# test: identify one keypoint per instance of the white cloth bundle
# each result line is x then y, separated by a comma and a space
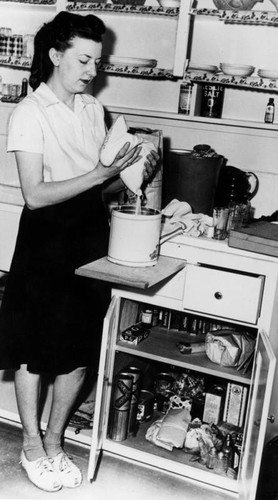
117, 136
179, 219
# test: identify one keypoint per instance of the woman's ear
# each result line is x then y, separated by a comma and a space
54, 56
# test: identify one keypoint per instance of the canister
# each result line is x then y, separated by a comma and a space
136, 375
121, 406
145, 406
134, 238
212, 100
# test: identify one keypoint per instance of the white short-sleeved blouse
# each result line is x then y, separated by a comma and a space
69, 141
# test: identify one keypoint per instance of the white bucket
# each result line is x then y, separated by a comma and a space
134, 238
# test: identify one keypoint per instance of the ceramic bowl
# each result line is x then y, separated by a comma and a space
169, 4
268, 73
235, 4
237, 69
129, 2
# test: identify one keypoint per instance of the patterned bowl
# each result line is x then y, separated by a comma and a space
235, 4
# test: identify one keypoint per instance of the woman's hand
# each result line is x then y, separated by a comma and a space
123, 159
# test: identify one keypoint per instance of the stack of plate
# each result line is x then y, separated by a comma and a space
202, 67
268, 73
236, 69
129, 61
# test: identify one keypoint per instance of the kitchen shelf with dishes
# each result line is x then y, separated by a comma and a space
136, 71
245, 82
122, 8
251, 17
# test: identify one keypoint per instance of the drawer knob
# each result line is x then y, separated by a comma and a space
271, 419
218, 295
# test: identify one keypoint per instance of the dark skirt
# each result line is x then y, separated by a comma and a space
51, 319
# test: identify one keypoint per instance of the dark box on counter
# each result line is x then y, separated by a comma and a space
259, 237
135, 333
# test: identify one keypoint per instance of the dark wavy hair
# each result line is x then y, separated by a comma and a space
58, 34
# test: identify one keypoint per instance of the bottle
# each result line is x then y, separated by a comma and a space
228, 452
220, 464
211, 458
24, 87
270, 111
147, 317
185, 98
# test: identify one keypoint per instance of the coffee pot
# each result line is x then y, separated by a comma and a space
235, 186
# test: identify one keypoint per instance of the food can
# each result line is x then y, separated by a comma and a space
163, 400
145, 406
136, 375
147, 317
163, 382
212, 101
121, 406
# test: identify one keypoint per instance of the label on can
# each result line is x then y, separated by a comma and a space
212, 101
145, 406
122, 394
121, 407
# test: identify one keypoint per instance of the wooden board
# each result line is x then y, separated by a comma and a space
260, 237
136, 277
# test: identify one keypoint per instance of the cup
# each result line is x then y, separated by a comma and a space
220, 222
235, 217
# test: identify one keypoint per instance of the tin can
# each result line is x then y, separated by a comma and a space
163, 382
163, 400
136, 374
121, 407
185, 98
212, 101
147, 317
145, 406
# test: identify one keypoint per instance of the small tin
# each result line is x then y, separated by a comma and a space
147, 317
145, 406
121, 406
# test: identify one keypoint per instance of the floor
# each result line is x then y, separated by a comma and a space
116, 479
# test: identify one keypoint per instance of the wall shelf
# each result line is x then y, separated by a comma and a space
252, 17
123, 9
37, 2
136, 71
247, 82
15, 62
21, 63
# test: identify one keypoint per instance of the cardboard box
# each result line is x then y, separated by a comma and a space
235, 404
135, 334
259, 237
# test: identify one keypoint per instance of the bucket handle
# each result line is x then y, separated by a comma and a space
171, 234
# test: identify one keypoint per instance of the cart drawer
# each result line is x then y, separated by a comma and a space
222, 293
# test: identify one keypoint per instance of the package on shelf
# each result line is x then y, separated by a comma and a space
135, 334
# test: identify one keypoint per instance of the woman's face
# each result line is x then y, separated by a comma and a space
77, 66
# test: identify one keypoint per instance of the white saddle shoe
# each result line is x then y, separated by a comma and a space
68, 473
41, 473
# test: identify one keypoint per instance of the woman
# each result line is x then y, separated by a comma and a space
51, 320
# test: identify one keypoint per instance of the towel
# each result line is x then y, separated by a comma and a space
179, 219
